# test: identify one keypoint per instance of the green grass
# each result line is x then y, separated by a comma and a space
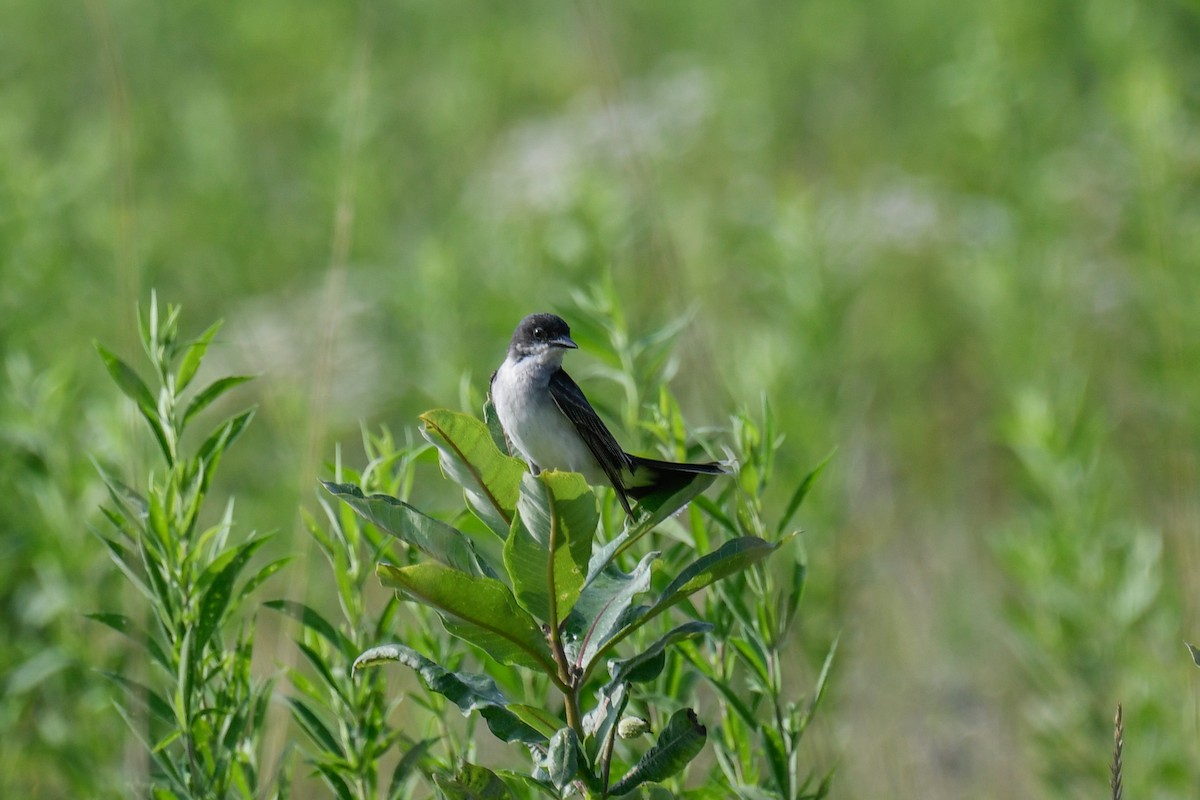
955, 241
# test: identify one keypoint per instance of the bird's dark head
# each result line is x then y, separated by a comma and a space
540, 335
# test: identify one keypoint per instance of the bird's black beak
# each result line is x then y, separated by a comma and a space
565, 342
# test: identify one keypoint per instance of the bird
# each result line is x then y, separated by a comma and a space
550, 422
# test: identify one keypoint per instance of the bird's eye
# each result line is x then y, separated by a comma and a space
539, 333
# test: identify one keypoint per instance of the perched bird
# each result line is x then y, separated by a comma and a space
547, 418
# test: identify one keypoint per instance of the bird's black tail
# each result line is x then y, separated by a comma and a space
649, 476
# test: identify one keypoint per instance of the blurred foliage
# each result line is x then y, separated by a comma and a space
899, 221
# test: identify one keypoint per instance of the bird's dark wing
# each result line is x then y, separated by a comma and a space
570, 400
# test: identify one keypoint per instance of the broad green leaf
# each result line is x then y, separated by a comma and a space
193, 357
612, 701
732, 557
435, 538
480, 610
561, 763
800, 493
472, 782
494, 428
680, 741
598, 614
467, 690
469, 457
646, 665
205, 397
547, 550
654, 508
220, 577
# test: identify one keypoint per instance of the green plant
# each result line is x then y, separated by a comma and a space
198, 709
548, 588
346, 717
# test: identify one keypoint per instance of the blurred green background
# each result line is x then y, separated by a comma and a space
959, 242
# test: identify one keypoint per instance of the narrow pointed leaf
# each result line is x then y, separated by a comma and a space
546, 553
819, 691
205, 397
193, 357
316, 623
469, 457
433, 537
777, 759
480, 610
801, 492
469, 691
143, 696
317, 730
221, 576
133, 388
1195, 653
680, 741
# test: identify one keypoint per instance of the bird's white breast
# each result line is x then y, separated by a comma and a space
534, 423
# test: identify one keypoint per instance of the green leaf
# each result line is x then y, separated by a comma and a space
479, 610
598, 614
732, 557
315, 728
1195, 652
598, 722
547, 550
220, 577
469, 691
409, 764
205, 397
653, 509
819, 692
211, 450
433, 537
537, 718
646, 665
144, 697
561, 762
800, 493
193, 357
680, 741
133, 388
469, 457
316, 623
472, 782
777, 759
